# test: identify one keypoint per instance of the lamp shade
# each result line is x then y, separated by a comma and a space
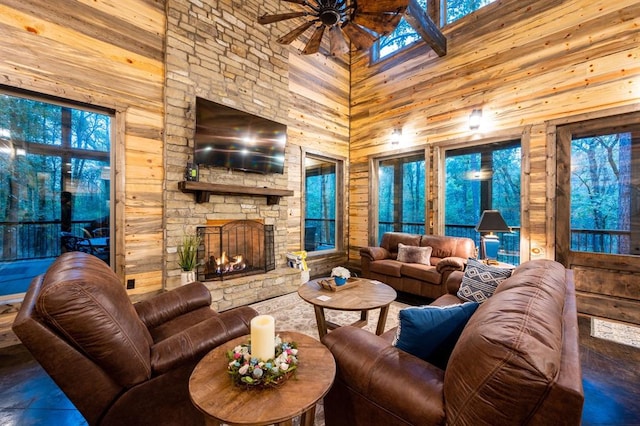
492, 221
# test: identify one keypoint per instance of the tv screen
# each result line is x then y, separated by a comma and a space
227, 137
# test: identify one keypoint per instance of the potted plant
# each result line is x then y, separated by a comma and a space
188, 257
340, 275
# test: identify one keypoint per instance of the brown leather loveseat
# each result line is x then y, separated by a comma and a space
426, 279
515, 363
119, 363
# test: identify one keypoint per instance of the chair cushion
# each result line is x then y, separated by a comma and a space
431, 332
480, 281
84, 301
412, 254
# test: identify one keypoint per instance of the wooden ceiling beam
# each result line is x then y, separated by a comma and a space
422, 23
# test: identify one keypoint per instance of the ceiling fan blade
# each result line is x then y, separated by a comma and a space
381, 23
303, 2
378, 6
295, 33
313, 45
338, 44
361, 38
269, 19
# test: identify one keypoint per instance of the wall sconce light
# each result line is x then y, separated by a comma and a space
396, 136
475, 119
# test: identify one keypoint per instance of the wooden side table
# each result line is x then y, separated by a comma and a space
364, 297
213, 392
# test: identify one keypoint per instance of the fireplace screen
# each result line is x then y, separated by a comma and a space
238, 248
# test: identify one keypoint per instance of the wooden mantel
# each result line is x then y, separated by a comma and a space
204, 189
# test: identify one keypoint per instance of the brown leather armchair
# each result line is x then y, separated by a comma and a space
121, 363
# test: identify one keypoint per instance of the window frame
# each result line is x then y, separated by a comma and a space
374, 186
565, 134
339, 202
115, 172
486, 151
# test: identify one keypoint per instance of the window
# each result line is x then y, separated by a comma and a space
404, 35
401, 195
456, 9
323, 212
483, 178
55, 186
604, 181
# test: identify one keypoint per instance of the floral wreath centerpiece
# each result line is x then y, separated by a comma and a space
251, 372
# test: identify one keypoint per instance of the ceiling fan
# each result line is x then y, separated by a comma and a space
361, 21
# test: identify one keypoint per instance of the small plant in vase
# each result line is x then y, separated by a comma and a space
340, 275
188, 257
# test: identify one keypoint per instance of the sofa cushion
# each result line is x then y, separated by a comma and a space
445, 246
388, 267
480, 281
421, 272
431, 332
390, 240
412, 254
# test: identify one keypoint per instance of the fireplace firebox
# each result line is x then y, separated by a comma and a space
235, 249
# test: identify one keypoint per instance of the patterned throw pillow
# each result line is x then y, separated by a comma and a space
413, 254
480, 281
431, 332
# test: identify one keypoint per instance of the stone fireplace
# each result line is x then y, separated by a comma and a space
234, 249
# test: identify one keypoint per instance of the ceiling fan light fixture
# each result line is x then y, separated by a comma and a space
329, 16
361, 22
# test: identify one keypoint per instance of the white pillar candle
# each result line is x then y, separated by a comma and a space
263, 337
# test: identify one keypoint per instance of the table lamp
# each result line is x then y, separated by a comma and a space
491, 221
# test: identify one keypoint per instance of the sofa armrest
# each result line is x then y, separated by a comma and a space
167, 306
453, 282
375, 253
196, 341
380, 373
451, 264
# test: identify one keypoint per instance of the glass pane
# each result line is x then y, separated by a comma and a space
320, 205
505, 197
462, 194
482, 178
55, 192
90, 131
604, 198
456, 9
26, 120
402, 36
401, 195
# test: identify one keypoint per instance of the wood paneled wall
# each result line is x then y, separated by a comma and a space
319, 123
109, 54
524, 63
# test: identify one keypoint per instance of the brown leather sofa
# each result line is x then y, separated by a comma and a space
516, 362
448, 254
119, 363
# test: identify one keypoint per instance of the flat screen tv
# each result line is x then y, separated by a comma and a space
227, 137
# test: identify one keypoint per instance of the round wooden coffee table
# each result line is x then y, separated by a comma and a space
367, 295
213, 392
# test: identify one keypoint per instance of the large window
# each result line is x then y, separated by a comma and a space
604, 195
404, 35
54, 187
483, 178
401, 195
322, 224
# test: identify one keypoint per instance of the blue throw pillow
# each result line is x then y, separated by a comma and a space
431, 332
